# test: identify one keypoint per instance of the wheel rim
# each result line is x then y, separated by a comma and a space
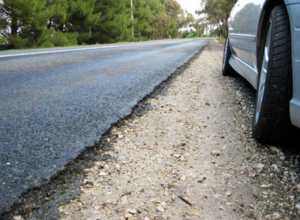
263, 76
225, 54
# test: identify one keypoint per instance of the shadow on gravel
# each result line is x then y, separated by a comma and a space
290, 145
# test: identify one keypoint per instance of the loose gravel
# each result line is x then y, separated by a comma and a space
186, 152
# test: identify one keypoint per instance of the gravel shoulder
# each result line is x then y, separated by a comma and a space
186, 152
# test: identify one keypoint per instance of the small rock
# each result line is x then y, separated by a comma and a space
163, 204
166, 217
276, 215
132, 211
282, 158
124, 200
157, 200
260, 167
274, 149
275, 167
160, 209
228, 194
118, 168
177, 155
216, 153
183, 178
102, 174
195, 213
298, 206
265, 186
173, 197
17, 218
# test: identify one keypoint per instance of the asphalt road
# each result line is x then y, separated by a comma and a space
56, 102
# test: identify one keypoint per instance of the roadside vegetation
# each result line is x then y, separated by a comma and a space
51, 23
213, 20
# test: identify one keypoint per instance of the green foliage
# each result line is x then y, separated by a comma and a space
52, 38
48, 23
217, 12
60, 39
192, 36
47, 45
2, 41
199, 27
58, 18
184, 34
16, 42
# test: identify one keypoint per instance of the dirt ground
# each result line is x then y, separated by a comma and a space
185, 153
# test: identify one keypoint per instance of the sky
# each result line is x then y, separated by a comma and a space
190, 5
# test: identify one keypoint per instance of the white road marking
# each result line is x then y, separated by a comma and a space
84, 49
60, 51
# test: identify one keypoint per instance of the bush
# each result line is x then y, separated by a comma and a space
2, 41
60, 39
73, 39
83, 37
51, 38
46, 45
16, 42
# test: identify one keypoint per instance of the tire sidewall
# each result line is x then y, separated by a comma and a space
257, 125
226, 68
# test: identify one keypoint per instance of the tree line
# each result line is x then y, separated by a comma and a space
215, 14
213, 19
49, 23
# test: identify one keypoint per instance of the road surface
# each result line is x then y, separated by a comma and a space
56, 102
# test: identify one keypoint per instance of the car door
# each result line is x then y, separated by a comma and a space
243, 24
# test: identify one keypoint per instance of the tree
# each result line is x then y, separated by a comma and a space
47, 23
114, 24
185, 19
174, 11
143, 15
23, 21
81, 19
60, 14
199, 26
217, 12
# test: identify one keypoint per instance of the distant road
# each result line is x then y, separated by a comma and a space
56, 102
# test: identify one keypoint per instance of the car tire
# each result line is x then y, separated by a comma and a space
227, 70
271, 121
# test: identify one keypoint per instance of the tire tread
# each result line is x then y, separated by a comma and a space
274, 121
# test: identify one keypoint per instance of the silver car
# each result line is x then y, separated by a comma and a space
263, 46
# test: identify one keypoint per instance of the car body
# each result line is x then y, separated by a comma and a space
252, 43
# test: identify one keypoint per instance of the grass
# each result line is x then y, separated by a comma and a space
192, 36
